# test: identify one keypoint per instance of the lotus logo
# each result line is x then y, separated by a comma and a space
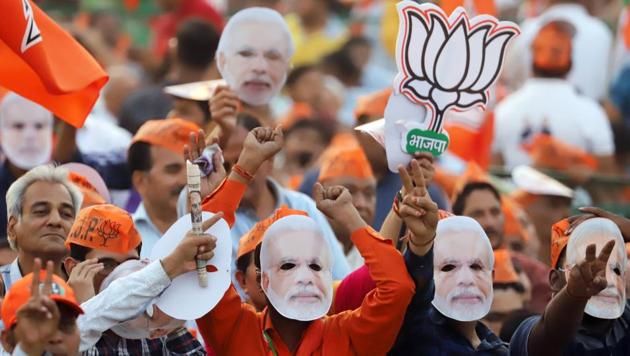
448, 62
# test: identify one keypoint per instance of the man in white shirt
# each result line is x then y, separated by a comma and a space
591, 50
549, 104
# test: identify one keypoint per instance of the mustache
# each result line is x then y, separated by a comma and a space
465, 293
304, 291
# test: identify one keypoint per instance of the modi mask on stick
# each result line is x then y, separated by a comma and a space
610, 302
463, 262
254, 53
25, 132
296, 266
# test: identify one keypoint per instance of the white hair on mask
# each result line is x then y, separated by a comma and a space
464, 225
296, 224
588, 229
12, 103
259, 15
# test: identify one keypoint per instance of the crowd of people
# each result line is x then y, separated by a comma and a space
504, 244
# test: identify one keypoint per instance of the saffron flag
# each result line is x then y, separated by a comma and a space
43, 63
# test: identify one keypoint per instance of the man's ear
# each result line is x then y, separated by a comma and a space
240, 278
264, 281
556, 280
138, 181
69, 263
11, 233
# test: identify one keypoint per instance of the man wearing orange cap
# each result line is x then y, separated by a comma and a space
102, 238
40, 318
509, 292
246, 273
549, 104
158, 173
350, 168
589, 314
482, 202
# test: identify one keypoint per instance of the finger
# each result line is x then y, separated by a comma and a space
192, 142
406, 210
51, 306
596, 211
585, 270
187, 153
604, 254
37, 266
93, 270
577, 221
201, 141
600, 282
208, 223
216, 162
48, 279
405, 178
590, 253
205, 256
318, 192
423, 156
418, 177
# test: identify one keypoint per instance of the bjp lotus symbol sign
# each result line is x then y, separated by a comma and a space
448, 62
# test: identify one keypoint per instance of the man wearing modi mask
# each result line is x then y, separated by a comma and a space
295, 274
26, 131
588, 314
453, 293
253, 56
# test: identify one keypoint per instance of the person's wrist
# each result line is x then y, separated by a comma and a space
351, 219
171, 266
249, 164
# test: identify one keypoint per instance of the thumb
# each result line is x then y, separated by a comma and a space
213, 220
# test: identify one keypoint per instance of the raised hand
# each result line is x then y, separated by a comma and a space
417, 210
224, 106
336, 203
192, 247
194, 151
261, 144
588, 277
38, 319
592, 212
425, 160
81, 279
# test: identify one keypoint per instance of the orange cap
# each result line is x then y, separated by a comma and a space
253, 237
504, 272
20, 293
549, 152
90, 194
104, 227
552, 46
473, 173
346, 163
559, 240
171, 133
373, 104
513, 226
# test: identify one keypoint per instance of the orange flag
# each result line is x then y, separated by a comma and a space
481, 6
42, 62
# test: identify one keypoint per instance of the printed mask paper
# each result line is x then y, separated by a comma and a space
184, 299
444, 63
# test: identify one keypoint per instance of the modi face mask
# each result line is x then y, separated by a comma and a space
610, 302
296, 267
150, 322
463, 263
25, 132
254, 53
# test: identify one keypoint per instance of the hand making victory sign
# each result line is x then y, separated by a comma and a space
417, 210
588, 277
38, 319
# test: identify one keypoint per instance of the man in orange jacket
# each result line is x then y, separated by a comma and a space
371, 329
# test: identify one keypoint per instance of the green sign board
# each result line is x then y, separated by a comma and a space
426, 141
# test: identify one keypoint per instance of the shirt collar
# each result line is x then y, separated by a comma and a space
15, 272
311, 339
489, 340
